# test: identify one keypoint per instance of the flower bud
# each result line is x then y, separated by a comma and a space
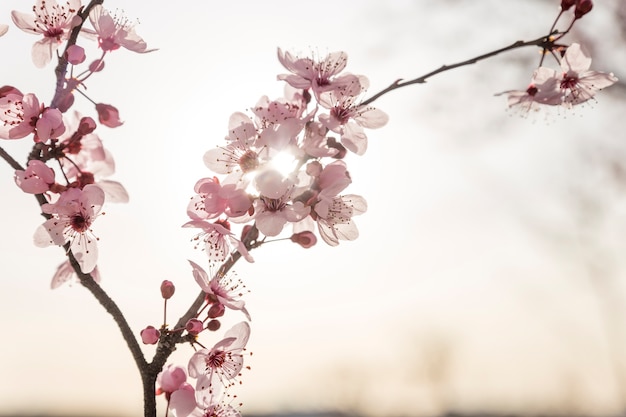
97, 65
108, 115
582, 8
75, 55
305, 239
216, 310
194, 326
167, 289
150, 335
213, 325
567, 4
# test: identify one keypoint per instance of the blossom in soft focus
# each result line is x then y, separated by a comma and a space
3, 29
108, 115
224, 361
150, 335
115, 31
52, 20
578, 82
214, 199
36, 178
172, 381
219, 241
65, 273
335, 220
223, 289
274, 208
72, 217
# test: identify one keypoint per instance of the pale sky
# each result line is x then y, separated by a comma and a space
489, 271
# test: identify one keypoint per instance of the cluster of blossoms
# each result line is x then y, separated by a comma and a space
66, 139
282, 166
573, 83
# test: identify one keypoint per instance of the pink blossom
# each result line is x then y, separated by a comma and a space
65, 273
224, 361
108, 115
183, 401
214, 199
90, 162
36, 179
172, 381
19, 114
274, 208
212, 404
150, 335
115, 31
578, 83
72, 217
52, 20
335, 219
348, 117
219, 241
320, 75
223, 289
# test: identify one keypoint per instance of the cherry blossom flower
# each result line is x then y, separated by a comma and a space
274, 208
19, 114
73, 214
320, 75
219, 241
115, 31
543, 89
211, 404
224, 361
52, 20
214, 199
335, 220
36, 179
222, 289
348, 117
578, 83
65, 273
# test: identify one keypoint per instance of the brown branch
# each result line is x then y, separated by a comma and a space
545, 42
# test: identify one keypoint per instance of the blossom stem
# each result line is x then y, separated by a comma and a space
545, 42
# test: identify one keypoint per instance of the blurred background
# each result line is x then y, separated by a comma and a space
489, 276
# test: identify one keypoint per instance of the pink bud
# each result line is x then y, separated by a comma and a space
213, 325
150, 335
314, 168
75, 55
167, 289
97, 65
36, 179
566, 4
194, 326
86, 126
304, 239
66, 101
582, 8
216, 310
108, 115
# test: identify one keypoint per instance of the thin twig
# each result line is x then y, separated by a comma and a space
545, 42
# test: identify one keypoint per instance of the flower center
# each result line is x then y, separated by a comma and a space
79, 223
215, 360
